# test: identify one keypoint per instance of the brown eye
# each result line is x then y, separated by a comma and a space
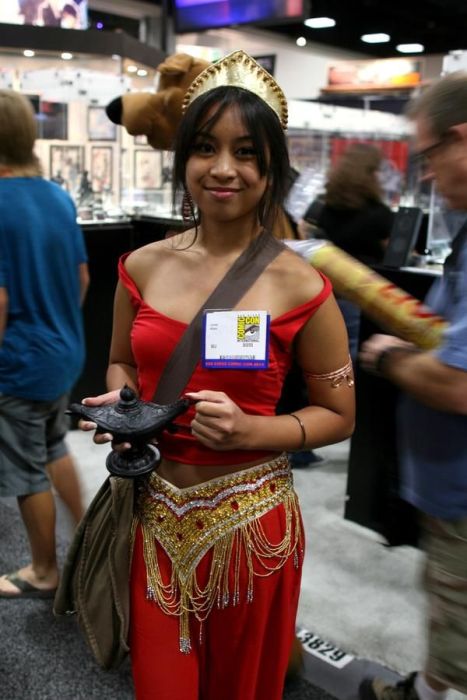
247, 152
202, 147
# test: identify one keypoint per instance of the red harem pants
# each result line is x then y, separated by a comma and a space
241, 652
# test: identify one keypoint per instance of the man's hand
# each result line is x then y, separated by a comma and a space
372, 350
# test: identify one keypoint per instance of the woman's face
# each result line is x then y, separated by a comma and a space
222, 171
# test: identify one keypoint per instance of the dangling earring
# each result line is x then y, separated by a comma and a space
187, 207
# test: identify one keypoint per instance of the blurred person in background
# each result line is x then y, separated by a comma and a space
43, 281
432, 417
352, 215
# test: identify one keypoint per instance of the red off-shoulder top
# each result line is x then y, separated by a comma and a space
153, 338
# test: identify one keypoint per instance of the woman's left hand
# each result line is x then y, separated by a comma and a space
218, 423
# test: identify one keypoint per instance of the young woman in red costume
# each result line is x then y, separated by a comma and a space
219, 545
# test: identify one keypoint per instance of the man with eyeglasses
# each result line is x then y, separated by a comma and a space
432, 415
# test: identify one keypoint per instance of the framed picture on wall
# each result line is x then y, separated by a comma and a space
101, 168
147, 170
125, 170
100, 128
67, 165
167, 167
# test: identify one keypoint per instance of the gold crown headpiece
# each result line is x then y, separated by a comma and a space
240, 70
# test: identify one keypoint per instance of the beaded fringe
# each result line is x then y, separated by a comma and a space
183, 595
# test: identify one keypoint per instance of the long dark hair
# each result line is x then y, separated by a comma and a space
266, 134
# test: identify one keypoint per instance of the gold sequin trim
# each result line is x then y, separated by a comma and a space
336, 377
223, 515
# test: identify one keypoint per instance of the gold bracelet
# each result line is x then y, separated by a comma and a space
302, 428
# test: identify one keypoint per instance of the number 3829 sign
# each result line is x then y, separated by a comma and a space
324, 650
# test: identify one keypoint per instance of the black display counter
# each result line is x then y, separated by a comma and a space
372, 486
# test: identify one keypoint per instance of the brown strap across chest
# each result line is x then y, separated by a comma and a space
239, 278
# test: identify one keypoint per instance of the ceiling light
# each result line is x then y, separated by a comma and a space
28, 53
320, 22
142, 72
132, 69
410, 48
377, 38
301, 41
67, 56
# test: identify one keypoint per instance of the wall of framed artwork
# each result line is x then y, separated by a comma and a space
78, 145
67, 162
147, 169
101, 168
100, 128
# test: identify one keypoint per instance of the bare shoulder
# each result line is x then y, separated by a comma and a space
301, 280
150, 257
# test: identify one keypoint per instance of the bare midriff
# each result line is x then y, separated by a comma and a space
185, 475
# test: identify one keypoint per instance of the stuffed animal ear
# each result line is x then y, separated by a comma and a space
157, 115
177, 64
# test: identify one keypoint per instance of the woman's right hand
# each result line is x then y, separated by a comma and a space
101, 400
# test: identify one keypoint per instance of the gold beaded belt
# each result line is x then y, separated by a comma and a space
222, 514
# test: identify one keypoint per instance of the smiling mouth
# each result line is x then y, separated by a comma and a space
222, 192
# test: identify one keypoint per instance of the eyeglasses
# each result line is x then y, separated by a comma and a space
424, 157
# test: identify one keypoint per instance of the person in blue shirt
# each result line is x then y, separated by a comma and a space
43, 281
432, 418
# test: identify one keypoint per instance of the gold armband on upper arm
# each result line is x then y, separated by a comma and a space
336, 377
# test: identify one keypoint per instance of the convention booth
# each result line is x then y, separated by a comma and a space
122, 190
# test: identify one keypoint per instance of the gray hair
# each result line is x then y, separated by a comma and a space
443, 103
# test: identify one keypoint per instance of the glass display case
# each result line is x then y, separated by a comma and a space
318, 134
111, 175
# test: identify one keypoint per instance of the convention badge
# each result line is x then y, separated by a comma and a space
235, 339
